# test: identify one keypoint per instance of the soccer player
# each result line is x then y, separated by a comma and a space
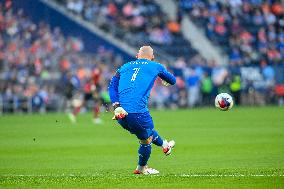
91, 91
129, 91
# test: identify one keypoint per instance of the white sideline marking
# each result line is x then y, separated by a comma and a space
181, 175
229, 175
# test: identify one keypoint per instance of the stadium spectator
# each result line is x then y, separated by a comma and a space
235, 88
193, 82
206, 89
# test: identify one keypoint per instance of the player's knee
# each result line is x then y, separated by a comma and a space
147, 141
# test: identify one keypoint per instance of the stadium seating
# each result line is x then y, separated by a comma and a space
249, 31
137, 22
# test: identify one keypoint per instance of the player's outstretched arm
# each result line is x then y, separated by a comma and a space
167, 77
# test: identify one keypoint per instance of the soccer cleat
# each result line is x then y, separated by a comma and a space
168, 149
146, 171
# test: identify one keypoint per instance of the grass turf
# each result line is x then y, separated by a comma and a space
241, 148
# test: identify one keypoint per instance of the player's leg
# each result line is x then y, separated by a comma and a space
130, 123
164, 144
76, 104
96, 110
147, 122
76, 110
144, 153
157, 139
143, 128
96, 114
74, 113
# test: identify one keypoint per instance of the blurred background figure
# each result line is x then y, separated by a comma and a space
193, 88
207, 90
235, 88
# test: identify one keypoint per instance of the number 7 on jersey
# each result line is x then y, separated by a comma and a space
136, 70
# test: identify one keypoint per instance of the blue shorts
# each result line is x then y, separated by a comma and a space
140, 124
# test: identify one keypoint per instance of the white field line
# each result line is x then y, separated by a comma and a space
230, 175
177, 175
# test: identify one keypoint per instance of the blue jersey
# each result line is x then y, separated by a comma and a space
132, 84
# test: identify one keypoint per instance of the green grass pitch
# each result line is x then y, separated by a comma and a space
241, 148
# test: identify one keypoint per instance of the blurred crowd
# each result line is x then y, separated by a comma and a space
249, 31
35, 61
137, 22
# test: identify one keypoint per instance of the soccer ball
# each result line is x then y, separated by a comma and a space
224, 101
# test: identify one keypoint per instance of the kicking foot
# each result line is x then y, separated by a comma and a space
145, 170
168, 147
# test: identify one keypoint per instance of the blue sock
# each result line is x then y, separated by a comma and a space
157, 140
144, 154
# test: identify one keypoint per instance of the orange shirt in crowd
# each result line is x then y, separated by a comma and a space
277, 9
173, 27
64, 64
